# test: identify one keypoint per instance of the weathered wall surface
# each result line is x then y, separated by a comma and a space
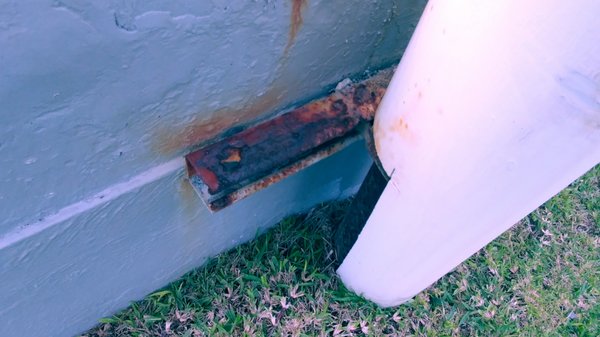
100, 98
61, 280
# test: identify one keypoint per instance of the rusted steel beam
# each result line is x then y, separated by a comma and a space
252, 159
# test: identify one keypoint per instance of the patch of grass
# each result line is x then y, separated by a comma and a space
541, 278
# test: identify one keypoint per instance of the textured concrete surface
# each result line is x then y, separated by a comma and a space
61, 280
101, 99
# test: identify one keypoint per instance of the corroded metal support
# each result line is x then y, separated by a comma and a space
252, 159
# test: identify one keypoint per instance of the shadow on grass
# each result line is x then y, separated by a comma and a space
539, 278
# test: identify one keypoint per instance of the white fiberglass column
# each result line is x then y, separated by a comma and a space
494, 108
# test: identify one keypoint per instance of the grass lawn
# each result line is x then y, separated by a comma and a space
541, 278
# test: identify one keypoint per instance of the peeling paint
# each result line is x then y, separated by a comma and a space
169, 141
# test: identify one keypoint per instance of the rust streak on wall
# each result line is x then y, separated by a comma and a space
189, 200
170, 140
296, 21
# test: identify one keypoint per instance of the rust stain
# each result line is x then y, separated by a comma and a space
253, 158
281, 174
296, 21
399, 125
188, 197
190, 208
171, 139
257, 151
233, 156
201, 129
209, 177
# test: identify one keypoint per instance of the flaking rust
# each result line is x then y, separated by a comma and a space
252, 159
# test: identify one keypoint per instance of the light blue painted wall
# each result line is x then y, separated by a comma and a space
95, 101
61, 280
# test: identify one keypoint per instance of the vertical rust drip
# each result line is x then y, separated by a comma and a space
296, 21
251, 159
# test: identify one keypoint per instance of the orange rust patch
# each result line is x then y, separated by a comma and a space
401, 128
295, 22
175, 139
251, 158
256, 152
233, 156
399, 125
188, 197
171, 139
210, 178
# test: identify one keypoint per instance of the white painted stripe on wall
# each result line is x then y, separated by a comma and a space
100, 198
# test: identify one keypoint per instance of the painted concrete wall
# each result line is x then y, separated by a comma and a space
61, 280
100, 99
